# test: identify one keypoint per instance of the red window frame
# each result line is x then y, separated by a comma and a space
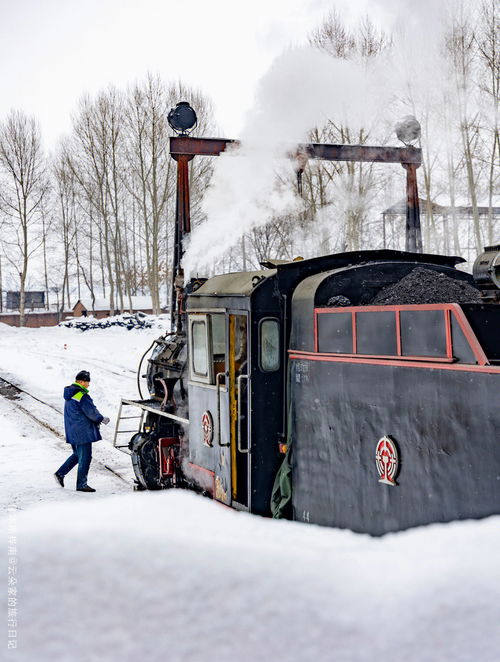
448, 310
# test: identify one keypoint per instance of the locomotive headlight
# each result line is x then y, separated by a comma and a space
182, 118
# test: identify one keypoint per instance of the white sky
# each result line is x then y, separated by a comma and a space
51, 51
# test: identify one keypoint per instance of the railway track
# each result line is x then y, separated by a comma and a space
13, 392
102, 364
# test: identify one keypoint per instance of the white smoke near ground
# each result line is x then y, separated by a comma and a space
302, 89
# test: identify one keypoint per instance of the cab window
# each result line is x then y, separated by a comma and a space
199, 345
269, 345
218, 326
207, 346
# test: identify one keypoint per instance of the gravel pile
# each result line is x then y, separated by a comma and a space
427, 286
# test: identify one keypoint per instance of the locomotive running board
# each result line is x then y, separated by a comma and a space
145, 406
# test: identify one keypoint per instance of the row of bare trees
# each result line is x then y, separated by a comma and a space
451, 84
96, 217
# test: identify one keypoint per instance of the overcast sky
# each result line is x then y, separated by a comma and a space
51, 51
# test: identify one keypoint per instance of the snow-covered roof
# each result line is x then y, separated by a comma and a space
464, 209
143, 302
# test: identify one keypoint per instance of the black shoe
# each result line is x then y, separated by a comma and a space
59, 479
87, 488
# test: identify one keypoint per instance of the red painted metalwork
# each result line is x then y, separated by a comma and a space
354, 333
387, 461
197, 467
168, 462
316, 345
388, 307
398, 332
422, 359
448, 310
463, 322
447, 325
399, 362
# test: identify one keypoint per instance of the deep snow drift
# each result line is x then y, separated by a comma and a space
121, 576
173, 576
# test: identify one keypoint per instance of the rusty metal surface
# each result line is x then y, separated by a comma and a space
413, 230
184, 148
182, 145
364, 153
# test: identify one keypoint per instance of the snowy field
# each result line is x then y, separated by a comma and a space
121, 576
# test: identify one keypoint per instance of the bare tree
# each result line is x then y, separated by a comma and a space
489, 60
461, 47
354, 182
22, 191
92, 160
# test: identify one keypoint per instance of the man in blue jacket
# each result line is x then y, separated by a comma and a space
81, 424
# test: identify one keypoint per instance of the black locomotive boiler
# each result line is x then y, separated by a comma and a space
290, 391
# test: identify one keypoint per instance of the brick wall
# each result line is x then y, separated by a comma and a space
33, 320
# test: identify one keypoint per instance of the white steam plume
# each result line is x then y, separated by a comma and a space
303, 89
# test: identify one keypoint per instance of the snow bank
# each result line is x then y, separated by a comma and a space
172, 576
44, 360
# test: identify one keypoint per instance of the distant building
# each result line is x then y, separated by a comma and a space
461, 211
32, 300
393, 220
101, 309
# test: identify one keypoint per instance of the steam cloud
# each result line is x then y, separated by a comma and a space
302, 89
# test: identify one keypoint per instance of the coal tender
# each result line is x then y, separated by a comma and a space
395, 407
358, 390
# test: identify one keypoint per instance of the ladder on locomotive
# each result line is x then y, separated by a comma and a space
124, 447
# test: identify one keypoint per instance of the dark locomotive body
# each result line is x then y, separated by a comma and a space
426, 376
297, 391
289, 396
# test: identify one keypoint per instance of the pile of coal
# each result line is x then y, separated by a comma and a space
427, 286
128, 321
339, 300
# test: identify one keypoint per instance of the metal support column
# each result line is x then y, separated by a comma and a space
413, 230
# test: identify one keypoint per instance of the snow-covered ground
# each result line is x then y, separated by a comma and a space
43, 361
120, 576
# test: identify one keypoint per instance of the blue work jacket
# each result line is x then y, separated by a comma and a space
81, 417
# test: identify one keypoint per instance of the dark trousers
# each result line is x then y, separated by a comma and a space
82, 455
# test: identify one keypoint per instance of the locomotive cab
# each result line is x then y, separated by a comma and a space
235, 385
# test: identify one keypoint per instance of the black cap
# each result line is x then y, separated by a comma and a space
83, 376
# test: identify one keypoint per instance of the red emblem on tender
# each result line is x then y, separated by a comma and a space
207, 426
386, 458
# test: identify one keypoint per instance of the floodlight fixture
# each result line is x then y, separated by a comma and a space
408, 130
182, 118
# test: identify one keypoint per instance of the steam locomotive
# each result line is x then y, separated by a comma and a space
288, 392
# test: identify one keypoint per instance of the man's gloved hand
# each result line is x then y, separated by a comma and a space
105, 420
